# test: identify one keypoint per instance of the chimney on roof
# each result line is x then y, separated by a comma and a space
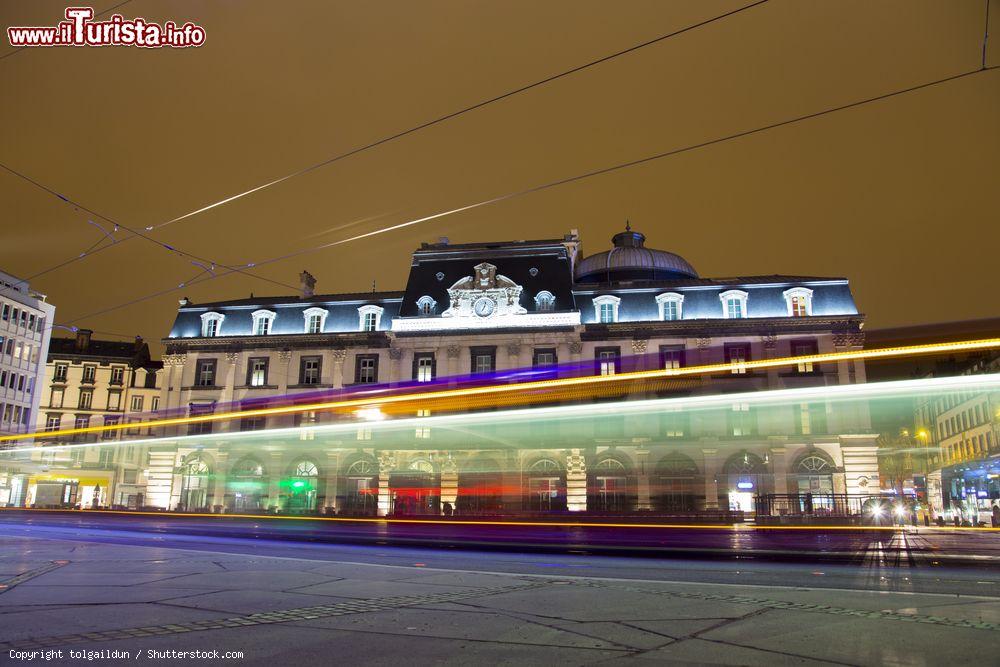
184, 301
308, 283
83, 339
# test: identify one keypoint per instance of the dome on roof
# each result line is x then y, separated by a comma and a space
629, 259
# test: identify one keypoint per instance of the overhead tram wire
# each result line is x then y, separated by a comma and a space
425, 125
568, 180
80, 207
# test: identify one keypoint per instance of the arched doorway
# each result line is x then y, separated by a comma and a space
546, 487
608, 487
416, 490
303, 487
677, 484
813, 480
247, 487
480, 488
360, 484
745, 476
195, 477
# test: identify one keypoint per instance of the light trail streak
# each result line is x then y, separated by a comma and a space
481, 522
523, 388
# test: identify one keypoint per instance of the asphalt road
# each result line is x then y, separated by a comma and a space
916, 560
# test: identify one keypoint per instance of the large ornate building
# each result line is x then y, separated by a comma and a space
479, 308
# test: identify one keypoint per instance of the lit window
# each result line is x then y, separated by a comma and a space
263, 321
211, 324
369, 317
738, 355
315, 319
802, 349
545, 301
423, 431
257, 372
799, 301
734, 304
607, 361
426, 306
606, 308
423, 368
670, 305
741, 420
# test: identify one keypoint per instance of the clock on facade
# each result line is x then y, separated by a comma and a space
484, 306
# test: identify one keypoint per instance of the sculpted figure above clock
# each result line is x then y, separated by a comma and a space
484, 294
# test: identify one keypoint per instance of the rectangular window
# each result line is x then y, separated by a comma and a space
89, 374
200, 410
60, 373
543, 357
135, 404
607, 312
734, 308
315, 324
20, 383
670, 310
263, 326
52, 422
56, 401
6, 312
674, 423
484, 359
211, 327
16, 313
110, 433
369, 322
802, 348
150, 382
608, 360
423, 367
799, 306
366, 369
205, 373
741, 420
671, 357
155, 404
737, 354
117, 376
31, 322
81, 421
114, 400
257, 372
86, 399
309, 370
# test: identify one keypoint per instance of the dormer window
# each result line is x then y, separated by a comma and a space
734, 304
211, 324
545, 301
606, 308
426, 306
315, 319
799, 301
670, 305
262, 321
370, 317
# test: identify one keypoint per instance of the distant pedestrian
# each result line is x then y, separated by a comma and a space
995, 518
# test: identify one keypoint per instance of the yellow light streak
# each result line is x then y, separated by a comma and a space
483, 522
594, 380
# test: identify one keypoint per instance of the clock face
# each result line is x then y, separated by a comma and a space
484, 306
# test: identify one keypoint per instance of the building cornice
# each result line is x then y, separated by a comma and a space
354, 339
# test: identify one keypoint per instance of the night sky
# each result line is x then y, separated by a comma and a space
900, 196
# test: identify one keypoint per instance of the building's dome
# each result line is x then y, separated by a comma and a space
631, 260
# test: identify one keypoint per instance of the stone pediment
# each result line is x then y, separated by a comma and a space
483, 295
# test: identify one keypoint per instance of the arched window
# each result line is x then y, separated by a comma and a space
607, 487
263, 321
302, 491
305, 469
426, 306
247, 487
799, 301
544, 466
677, 484
370, 317
420, 465
546, 486
211, 324
670, 305
545, 301
813, 473
734, 304
315, 319
606, 308
813, 464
